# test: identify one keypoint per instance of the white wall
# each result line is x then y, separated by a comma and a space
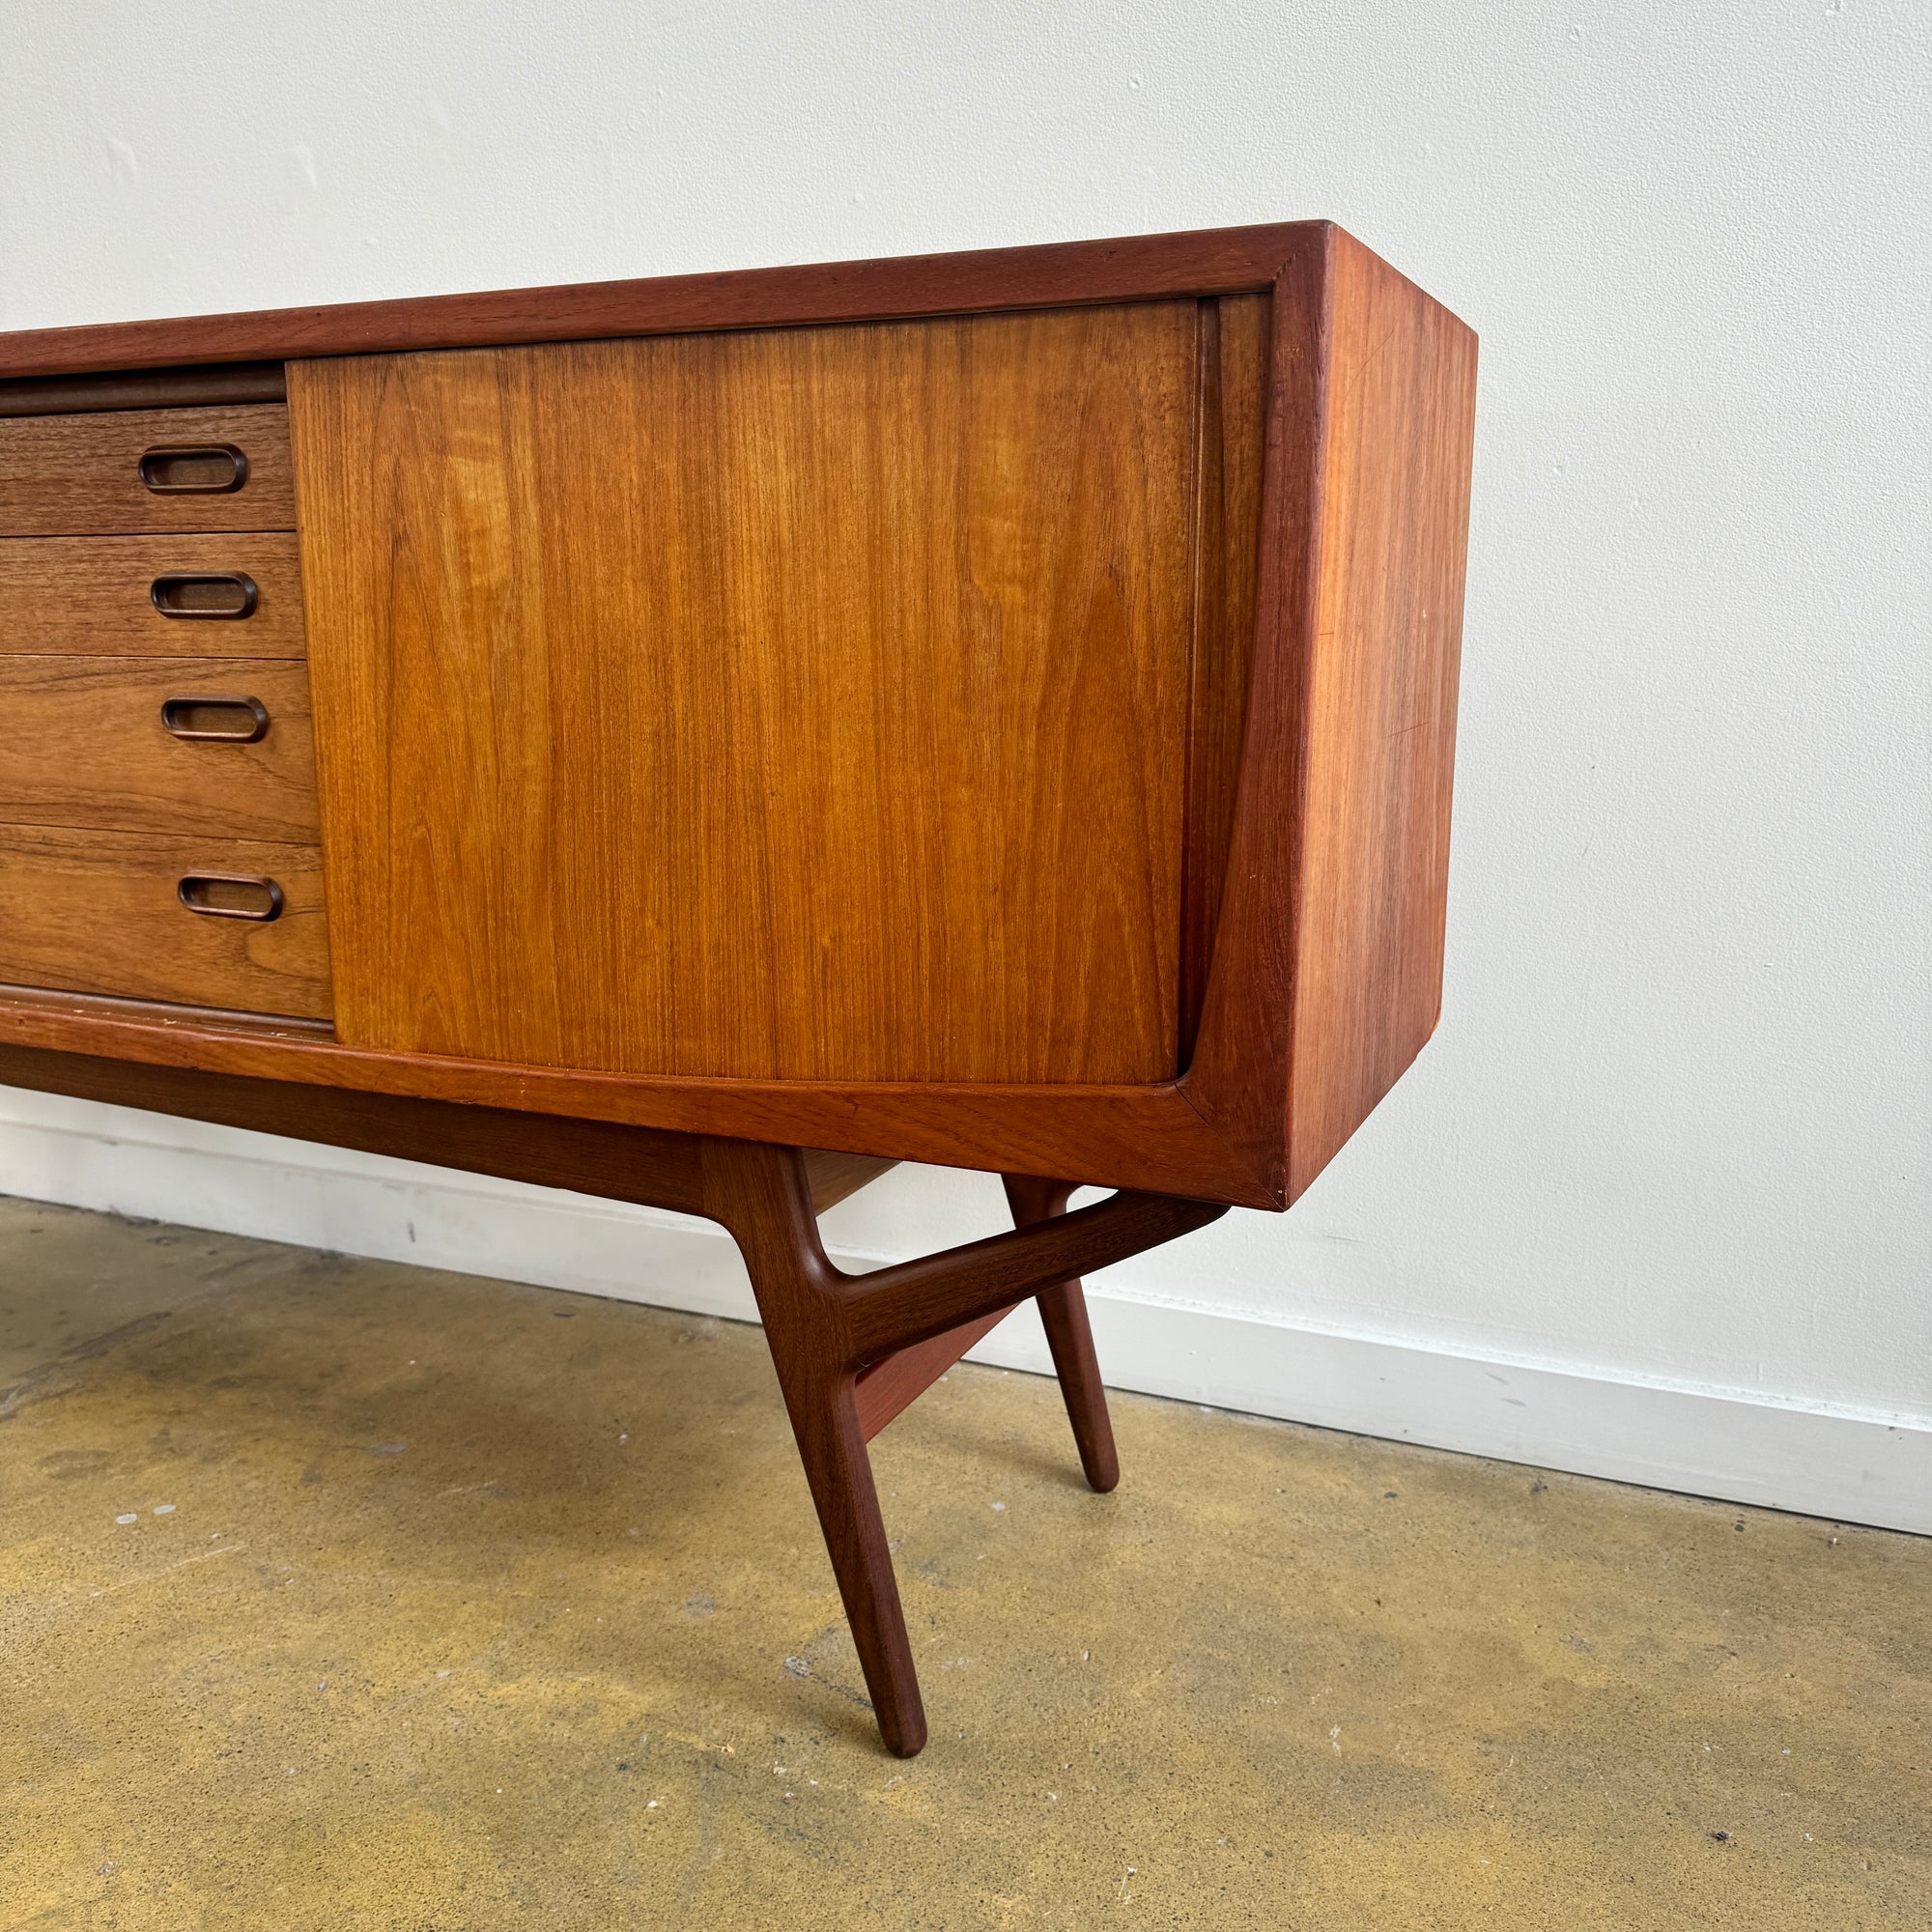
1673, 1131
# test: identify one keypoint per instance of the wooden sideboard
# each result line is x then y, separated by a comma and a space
702, 740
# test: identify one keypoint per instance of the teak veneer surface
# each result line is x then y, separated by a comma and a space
1326, 973
97, 912
63, 595
1380, 701
796, 704
80, 475
84, 746
1348, 453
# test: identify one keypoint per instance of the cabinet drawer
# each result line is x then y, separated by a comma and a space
100, 912
233, 596
134, 745
218, 468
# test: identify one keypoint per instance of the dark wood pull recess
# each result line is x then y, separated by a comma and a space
195, 469
231, 896
212, 593
216, 720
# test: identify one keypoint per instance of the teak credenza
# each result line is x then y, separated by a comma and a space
699, 741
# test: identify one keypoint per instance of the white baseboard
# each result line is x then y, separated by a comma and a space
1817, 1461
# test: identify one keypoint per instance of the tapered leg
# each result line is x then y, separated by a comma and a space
826, 1330
763, 1196
1063, 1313
833, 1449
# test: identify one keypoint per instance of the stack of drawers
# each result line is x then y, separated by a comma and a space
158, 810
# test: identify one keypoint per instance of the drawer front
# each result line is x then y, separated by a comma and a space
135, 744
100, 912
218, 597
220, 469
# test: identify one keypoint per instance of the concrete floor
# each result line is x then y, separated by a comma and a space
335, 1594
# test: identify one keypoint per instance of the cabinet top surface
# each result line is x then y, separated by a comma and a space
1213, 260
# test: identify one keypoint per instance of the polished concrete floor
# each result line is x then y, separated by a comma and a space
335, 1594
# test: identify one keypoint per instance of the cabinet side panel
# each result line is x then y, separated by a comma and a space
799, 704
1379, 739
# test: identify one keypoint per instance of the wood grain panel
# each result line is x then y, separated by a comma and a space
79, 475
804, 704
97, 912
1378, 727
61, 595
83, 745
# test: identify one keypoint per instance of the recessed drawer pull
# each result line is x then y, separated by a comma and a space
215, 593
231, 896
196, 470
238, 721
